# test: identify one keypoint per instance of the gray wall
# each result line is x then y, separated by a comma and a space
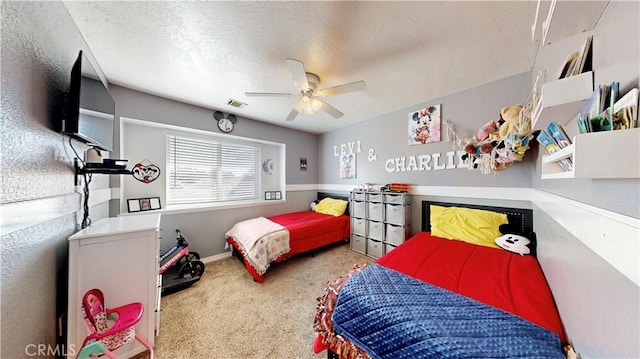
141, 106
387, 135
40, 42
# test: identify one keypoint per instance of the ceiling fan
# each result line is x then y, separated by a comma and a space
307, 83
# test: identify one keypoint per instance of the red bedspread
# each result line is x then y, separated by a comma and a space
308, 230
493, 276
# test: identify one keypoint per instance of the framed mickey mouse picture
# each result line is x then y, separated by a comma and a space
226, 122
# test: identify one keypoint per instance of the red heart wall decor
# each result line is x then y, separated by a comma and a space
145, 174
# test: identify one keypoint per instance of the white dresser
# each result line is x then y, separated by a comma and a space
380, 221
119, 256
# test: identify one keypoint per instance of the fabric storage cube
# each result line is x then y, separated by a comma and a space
397, 214
376, 210
358, 209
397, 198
396, 234
374, 248
388, 248
374, 197
374, 230
358, 243
358, 226
359, 196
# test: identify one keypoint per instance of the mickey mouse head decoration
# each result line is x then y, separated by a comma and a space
225, 122
516, 241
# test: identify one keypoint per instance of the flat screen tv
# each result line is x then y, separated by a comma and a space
90, 116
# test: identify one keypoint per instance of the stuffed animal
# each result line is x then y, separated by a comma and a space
482, 141
516, 241
511, 116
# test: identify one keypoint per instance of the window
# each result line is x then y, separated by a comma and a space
208, 171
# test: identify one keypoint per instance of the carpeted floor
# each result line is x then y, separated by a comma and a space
228, 315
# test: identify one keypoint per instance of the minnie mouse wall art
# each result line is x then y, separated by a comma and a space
348, 165
424, 125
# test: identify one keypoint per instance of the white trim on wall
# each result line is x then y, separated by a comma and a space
612, 236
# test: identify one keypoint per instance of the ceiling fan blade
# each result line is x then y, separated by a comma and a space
295, 111
299, 74
336, 90
271, 94
330, 109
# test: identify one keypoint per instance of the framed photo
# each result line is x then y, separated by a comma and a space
143, 204
272, 195
303, 163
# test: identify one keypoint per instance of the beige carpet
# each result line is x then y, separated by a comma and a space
228, 315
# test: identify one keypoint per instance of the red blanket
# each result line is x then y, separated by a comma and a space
308, 230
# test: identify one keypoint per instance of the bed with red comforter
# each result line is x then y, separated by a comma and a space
494, 277
307, 230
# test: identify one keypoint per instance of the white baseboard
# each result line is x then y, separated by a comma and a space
215, 257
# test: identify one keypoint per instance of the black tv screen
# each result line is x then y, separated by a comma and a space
91, 114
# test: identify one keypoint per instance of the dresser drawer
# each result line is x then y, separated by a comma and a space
359, 209
359, 196
396, 234
397, 198
376, 209
374, 248
397, 214
375, 230
374, 197
358, 243
358, 226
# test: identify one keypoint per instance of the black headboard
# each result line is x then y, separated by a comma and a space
523, 218
345, 197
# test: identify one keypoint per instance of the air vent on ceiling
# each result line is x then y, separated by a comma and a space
236, 103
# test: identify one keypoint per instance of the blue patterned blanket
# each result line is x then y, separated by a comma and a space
391, 315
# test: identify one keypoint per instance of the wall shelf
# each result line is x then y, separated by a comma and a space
607, 154
577, 17
562, 99
100, 170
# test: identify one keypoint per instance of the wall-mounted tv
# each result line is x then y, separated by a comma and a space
90, 115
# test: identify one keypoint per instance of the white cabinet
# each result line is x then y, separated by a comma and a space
607, 154
380, 221
119, 256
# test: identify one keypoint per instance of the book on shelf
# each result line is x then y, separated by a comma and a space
578, 61
546, 140
557, 133
606, 111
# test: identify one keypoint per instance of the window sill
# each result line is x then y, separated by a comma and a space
191, 208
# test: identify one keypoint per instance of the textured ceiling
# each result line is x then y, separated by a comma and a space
205, 53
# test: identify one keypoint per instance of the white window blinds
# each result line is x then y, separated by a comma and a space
201, 171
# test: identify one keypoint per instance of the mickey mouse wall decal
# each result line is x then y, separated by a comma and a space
145, 172
225, 121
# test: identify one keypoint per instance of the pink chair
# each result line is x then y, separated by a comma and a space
109, 329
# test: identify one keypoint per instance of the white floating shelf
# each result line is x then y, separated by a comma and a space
607, 154
556, 20
561, 100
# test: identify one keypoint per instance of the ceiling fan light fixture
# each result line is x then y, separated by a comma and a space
309, 104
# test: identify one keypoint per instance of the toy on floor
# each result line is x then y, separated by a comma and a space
179, 267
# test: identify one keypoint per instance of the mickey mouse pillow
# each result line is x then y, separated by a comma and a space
516, 241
